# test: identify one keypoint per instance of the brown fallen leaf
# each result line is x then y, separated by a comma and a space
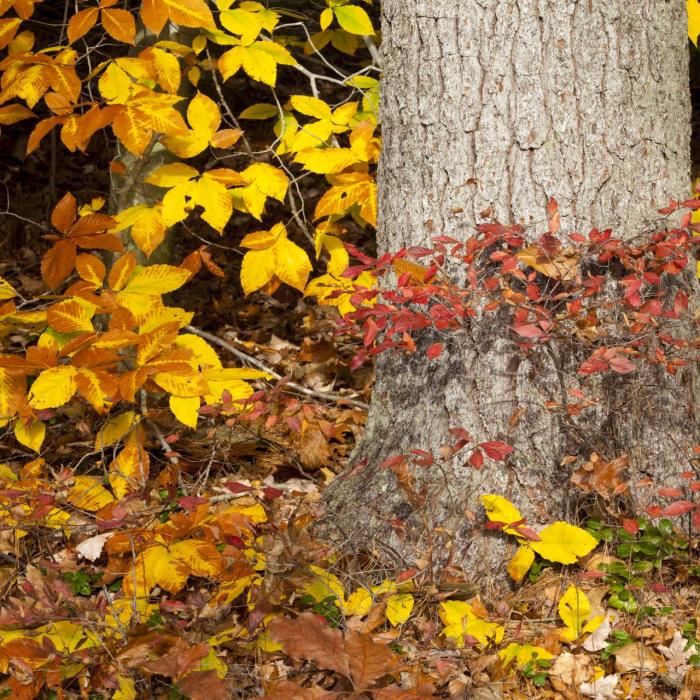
369, 660
287, 690
356, 656
308, 638
204, 685
636, 657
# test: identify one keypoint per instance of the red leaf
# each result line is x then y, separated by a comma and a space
526, 532
678, 508
631, 526
435, 350
423, 458
236, 487
593, 574
477, 459
392, 461
191, 502
621, 365
496, 449
272, 493
406, 575
654, 511
668, 492
527, 330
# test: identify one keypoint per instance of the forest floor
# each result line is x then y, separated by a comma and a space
244, 601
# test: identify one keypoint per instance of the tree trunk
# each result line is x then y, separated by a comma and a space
490, 107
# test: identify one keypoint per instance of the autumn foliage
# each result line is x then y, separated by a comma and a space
132, 562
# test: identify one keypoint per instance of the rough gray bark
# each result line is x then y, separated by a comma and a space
489, 107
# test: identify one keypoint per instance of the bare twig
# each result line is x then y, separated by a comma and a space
244, 357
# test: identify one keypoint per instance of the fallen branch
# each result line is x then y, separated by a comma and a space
244, 357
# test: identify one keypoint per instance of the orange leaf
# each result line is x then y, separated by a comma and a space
120, 25
81, 23
64, 213
154, 15
58, 263
70, 316
90, 268
121, 271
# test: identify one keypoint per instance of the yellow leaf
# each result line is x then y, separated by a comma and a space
460, 620
53, 387
522, 654
399, 608
261, 240
129, 471
326, 288
185, 409
31, 435
311, 107
501, 510
324, 585
126, 689
147, 228
167, 68
115, 85
7, 291
204, 354
260, 110
177, 203
190, 13
203, 114
246, 24
230, 379
326, 160
358, 603
115, 429
520, 564
8, 29
182, 383
202, 558
257, 269
156, 279
119, 24
171, 174
326, 18
354, 19
259, 60
261, 181
215, 199
693, 7
339, 260
293, 265
89, 494
574, 609
563, 543
155, 566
